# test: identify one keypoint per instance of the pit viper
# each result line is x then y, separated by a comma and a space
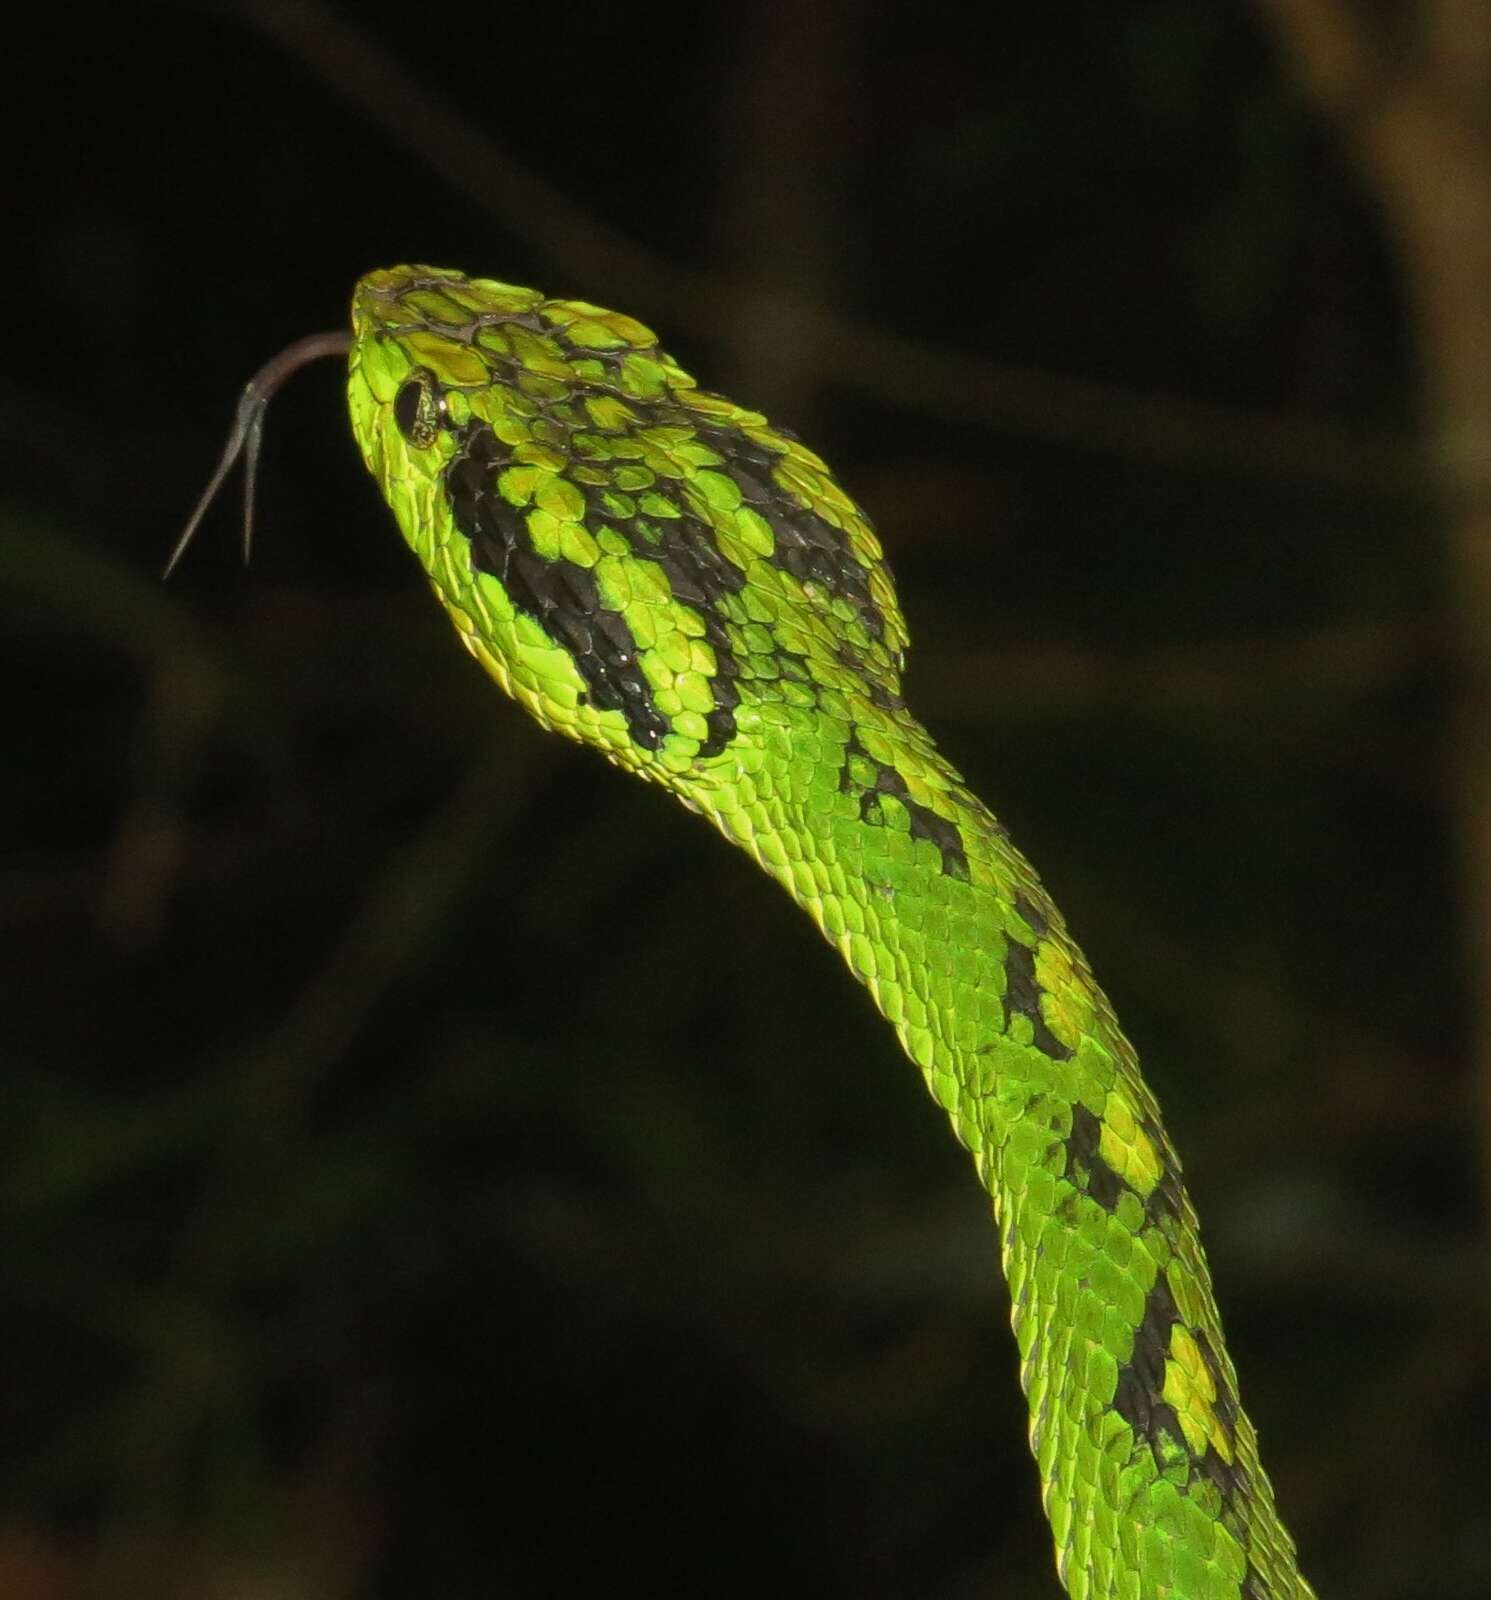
655, 571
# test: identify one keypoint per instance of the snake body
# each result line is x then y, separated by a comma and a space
655, 571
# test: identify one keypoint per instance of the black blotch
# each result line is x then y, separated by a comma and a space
721, 720
1230, 1480
1141, 1383
1036, 919
1084, 1160
885, 698
1167, 1199
612, 626
1141, 1380
922, 822
468, 476
755, 486
1022, 995
1225, 1405
852, 748
1152, 1419
926, 824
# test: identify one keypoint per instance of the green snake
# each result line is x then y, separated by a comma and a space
656, 571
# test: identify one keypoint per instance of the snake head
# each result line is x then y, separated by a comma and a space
645, 566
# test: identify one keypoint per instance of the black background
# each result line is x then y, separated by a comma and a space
434, 1166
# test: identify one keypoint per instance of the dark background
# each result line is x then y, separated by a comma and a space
432, 1164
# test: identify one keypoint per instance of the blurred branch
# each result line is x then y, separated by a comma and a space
392, 931
1332, 47
70, 589
1421, 134
900, 371
784, 217
1297, 673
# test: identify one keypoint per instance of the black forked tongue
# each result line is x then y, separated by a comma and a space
248, 429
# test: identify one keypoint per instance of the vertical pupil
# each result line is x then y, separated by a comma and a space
406, 409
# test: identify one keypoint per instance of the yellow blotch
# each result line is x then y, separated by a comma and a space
484, 295
517, 484
1127, 1149
754, 532
695, 693
1191, 1391
691, 724
586, 323
606, 411
717, 405
455, 363
434, 307
576, 544
538, 352
539, 455
1065, 1005
495, 340
559, 497
543, 530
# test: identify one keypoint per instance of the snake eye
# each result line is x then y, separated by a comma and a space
419, 410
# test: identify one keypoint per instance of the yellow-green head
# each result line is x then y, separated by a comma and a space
646, 566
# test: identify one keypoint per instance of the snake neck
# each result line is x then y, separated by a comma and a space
1148, 1463
658, 572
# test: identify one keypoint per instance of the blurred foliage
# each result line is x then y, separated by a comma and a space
434, 1166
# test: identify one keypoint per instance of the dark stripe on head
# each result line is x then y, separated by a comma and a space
563, 598
683, 544
560, 595
699, 575
809, 548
